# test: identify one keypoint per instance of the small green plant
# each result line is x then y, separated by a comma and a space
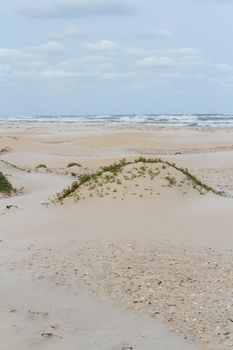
171, 180
5, 185
70, 165
41, 166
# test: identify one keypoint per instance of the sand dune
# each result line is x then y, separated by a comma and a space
140, 258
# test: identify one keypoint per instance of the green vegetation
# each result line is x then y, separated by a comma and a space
40, 166
116, 167
171, 180
194, 180
70, 165
5, 185
111, 171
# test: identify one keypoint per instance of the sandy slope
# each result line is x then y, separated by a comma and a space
53, 256
39, 315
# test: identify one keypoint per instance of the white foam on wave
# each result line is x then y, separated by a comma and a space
147, 119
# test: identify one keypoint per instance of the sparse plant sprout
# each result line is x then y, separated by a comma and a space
153, 174
171, 180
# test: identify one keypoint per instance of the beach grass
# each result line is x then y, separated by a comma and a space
5, 186
41, 166
112, 170
72, 164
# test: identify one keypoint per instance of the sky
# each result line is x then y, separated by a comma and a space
116, 56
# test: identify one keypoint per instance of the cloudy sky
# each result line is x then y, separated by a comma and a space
116, 56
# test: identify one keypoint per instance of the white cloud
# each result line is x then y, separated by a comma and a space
98, 63
51, 47
104, 45
21, 59
7, 55
109, 63
224, 67
155, 62
118, 75
226, 82
184, 51
64, 74
184, 58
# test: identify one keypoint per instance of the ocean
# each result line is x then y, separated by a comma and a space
201, 120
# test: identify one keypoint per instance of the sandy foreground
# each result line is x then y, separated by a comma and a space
137, 264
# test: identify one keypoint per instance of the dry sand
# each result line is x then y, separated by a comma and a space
131, 265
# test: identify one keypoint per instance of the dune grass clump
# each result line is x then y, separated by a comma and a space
70, 165
108, 174
193, 179
41, 166
116, 167
5, 185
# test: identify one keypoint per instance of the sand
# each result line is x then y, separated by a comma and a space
147, 266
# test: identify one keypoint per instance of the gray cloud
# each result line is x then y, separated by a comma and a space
52, 9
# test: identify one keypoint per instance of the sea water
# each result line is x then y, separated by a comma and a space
201, 120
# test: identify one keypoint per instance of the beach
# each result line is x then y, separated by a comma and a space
137, 257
